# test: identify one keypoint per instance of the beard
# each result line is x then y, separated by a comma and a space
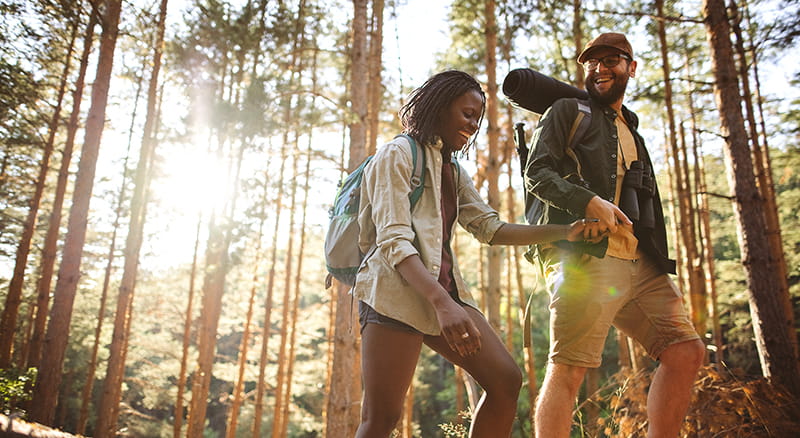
610, 96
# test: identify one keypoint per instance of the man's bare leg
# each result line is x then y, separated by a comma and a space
671, 389
556, 400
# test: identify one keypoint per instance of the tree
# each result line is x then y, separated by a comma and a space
14, 297
343, 409
771, 325
108, 409
46, 390
54, 224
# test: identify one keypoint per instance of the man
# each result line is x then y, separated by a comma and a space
618, 276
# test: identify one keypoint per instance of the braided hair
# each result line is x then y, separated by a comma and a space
426, 105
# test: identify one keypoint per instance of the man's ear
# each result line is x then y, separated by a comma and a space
632, 69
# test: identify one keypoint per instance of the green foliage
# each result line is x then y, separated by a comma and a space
16, 386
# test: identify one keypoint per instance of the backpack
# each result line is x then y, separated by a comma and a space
534, 207
342, 255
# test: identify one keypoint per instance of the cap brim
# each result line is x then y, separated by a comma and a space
586, 52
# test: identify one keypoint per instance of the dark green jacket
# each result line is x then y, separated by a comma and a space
551, 175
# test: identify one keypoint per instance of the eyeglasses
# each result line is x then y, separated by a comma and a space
609, 61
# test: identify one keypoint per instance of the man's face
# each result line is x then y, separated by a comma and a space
607, 84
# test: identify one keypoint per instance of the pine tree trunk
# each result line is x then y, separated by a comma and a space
233, 411
112, 390
267, 322
187, 331
577, 36
763, 169
50, 249
280, 381
772, 327
492, 171
343, 411
45, 393
90, 373
8, 320
297, 280
686, 214
375, 90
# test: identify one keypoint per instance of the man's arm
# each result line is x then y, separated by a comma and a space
548, 166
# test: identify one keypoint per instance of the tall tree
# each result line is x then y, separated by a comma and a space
771, 324
50, 248
45, 392
687, 227
186, 339
8, 320
108, 408
343, 410
761, 159
492, 170
111, 255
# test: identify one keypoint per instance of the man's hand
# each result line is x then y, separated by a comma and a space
608, 216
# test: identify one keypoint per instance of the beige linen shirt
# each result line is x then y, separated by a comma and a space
391, 232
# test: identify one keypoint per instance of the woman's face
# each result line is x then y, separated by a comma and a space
459, 122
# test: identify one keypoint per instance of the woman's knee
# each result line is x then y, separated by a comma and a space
506, 380
379, 420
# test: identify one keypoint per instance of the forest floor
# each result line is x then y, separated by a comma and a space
725, 404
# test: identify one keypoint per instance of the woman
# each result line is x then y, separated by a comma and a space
409, 287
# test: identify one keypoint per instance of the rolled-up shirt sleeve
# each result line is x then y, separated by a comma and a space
474, 214
386, 186
542, 177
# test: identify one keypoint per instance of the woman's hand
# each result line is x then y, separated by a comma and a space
575, 230
458, 329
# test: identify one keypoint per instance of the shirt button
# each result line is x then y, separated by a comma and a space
614, 176
613, 155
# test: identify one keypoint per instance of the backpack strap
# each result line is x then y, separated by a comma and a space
418, 176
579, 127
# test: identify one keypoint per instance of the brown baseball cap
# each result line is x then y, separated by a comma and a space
609, 39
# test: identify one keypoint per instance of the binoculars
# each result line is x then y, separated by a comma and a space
636, 196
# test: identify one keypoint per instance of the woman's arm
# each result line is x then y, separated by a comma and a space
453, 319
521, 234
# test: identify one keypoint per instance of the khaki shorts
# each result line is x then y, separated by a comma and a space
589, 295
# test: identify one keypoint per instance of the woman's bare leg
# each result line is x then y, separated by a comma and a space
388, 360
497, 373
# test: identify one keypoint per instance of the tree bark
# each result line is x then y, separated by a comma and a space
763, 168
45, 394
343, 411
86, 394
375, 90
187, 330
50, 249
492, 171
686, 215
108, 409
771, 325
8, 320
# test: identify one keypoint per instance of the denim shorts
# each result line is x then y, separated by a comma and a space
589, 295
